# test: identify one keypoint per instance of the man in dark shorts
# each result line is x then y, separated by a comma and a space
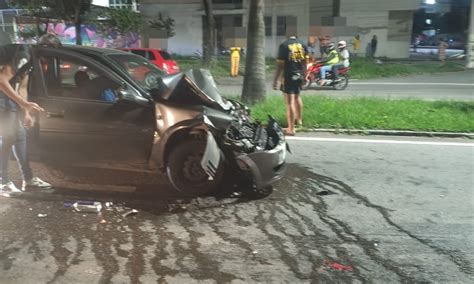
291, 62
15, 112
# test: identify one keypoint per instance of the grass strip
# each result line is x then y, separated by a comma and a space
375, 113
362, 68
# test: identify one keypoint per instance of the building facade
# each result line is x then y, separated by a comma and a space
391, 21
118, 4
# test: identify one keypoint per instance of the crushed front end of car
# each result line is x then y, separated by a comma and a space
206, 142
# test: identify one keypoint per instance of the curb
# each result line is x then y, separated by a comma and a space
394, 132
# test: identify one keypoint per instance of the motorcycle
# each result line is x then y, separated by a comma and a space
312, 74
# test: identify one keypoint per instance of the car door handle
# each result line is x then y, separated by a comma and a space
52, 114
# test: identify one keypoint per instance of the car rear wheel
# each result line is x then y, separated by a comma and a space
184, 169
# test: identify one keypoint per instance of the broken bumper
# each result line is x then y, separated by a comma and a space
267, 166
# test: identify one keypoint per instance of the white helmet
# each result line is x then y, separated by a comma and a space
341, 44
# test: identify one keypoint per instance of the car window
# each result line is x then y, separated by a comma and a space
165, 55
74, 79
139, 52
150, 55
140, 70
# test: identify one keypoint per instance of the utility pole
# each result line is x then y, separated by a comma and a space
470, 40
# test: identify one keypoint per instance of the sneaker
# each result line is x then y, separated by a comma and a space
9, 187
35, 183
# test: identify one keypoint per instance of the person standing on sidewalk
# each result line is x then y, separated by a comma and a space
442, 51
373, 46
356, 44
234, 61
291, 63
14, 105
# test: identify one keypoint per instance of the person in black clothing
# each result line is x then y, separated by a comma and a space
373, 46
15, 112
291, 62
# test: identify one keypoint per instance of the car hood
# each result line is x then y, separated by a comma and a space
194, 86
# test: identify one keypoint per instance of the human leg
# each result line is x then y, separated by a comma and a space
335, 68
21, 153
235, 66
7, 138
298, 101
290, 117
322, 73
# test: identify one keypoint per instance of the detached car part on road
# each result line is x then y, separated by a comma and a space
119, 110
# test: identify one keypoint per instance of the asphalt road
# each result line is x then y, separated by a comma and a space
351, 209
442, 86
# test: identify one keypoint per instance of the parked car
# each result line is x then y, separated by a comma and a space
159, 57
456, 41
175, 124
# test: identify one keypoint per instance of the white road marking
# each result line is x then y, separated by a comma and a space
320, 139
407, 83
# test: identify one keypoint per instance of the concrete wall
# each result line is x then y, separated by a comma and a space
371, 17
188, 24
312, 18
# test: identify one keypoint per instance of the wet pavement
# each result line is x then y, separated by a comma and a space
317, 225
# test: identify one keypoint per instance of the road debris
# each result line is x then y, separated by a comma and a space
337, 266
131, 212
87, 206
40, 215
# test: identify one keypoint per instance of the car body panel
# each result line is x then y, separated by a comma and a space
159, 57
146, 119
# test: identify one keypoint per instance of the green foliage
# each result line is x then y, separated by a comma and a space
375, 113
363, 68
163, 23
123, 20
69, 10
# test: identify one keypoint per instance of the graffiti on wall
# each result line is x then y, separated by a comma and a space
66, 32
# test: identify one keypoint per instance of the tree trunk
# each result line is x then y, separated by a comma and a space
254, 80
208, 47
78, 22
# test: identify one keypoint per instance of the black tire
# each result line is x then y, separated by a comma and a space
342, 84
184, 169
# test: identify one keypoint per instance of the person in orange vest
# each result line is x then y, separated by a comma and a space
234, 61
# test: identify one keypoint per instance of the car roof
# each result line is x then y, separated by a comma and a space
142, 48
86, 50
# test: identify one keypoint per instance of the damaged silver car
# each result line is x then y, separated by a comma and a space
112, 109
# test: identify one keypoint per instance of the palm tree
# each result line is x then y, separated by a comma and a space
254, 79
209, 34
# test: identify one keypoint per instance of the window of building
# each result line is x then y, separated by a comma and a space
120, 4
268, 26
238, 21
228, 4
281, 26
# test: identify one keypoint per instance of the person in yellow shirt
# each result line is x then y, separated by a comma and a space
234, 61
356, 44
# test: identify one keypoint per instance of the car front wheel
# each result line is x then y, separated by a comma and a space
185, 172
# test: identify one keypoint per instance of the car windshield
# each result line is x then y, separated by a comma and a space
142, 71
165, 55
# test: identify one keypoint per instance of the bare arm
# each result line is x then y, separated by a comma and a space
279, 69
5, 75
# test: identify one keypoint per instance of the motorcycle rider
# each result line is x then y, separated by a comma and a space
327, 62
343, 59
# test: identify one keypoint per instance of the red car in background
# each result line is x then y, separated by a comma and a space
159, 57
